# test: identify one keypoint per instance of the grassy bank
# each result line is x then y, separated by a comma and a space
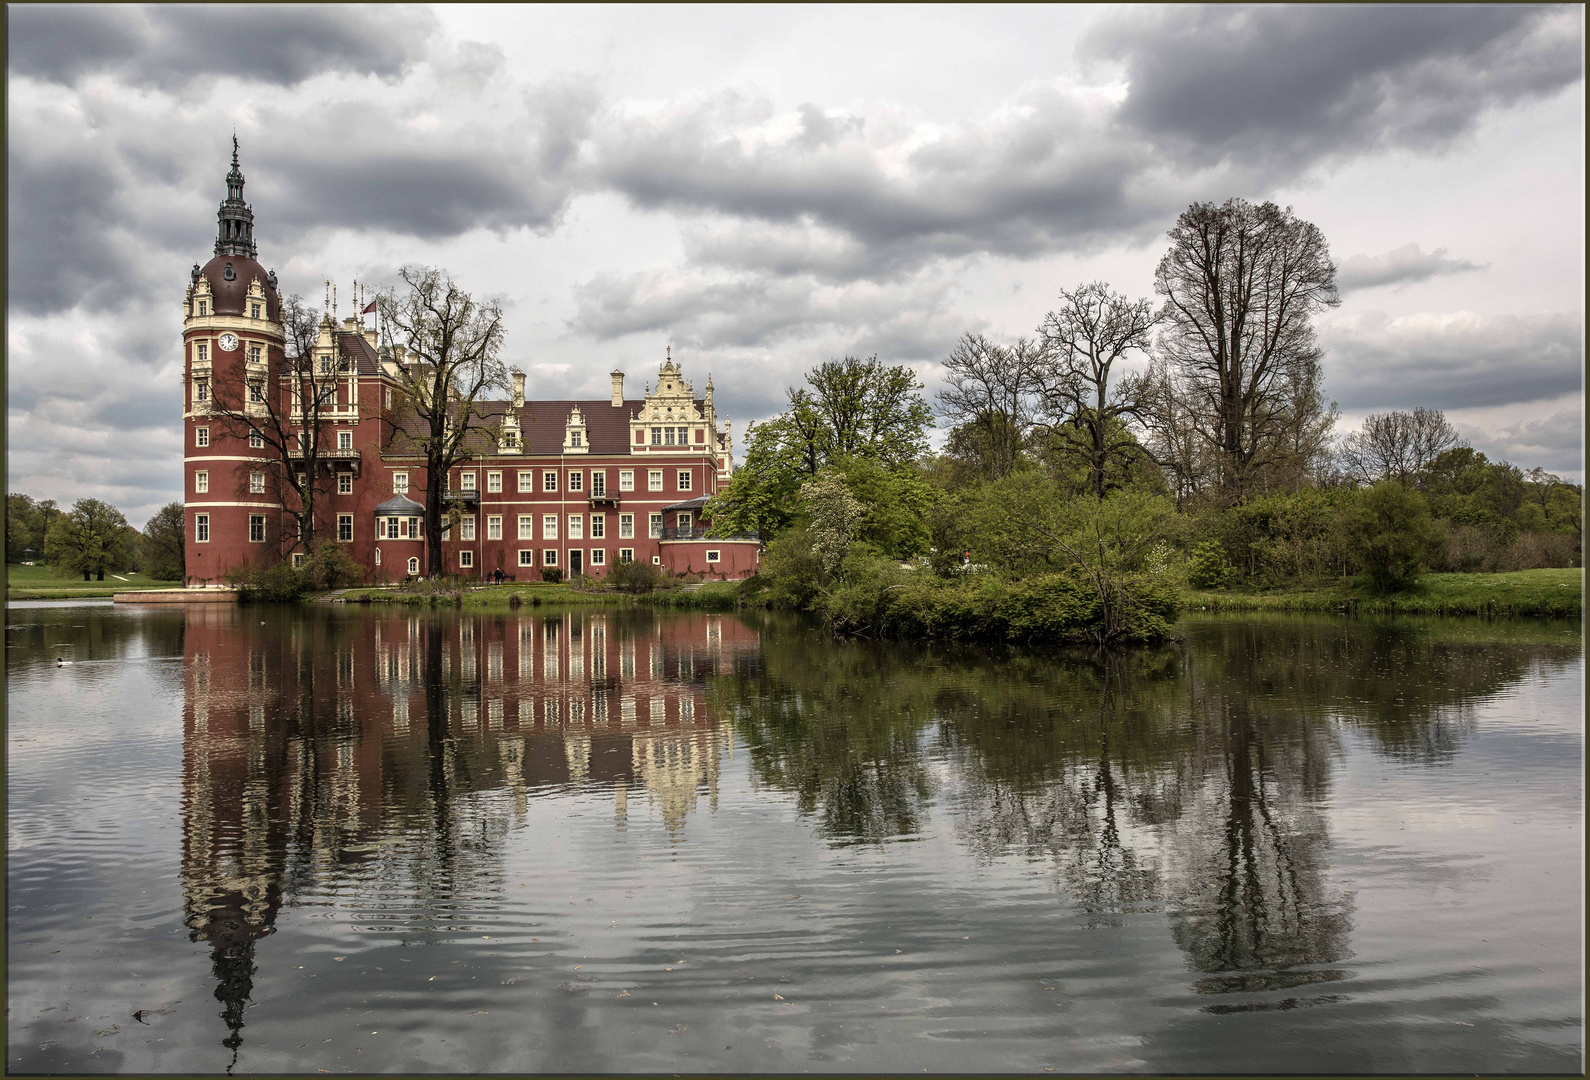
1550, 593
40, 583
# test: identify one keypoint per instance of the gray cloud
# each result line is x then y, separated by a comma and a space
1399, 266
1295, 83
1452, 361
1554, 442
168, 46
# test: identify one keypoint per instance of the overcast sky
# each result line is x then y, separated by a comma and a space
769, 188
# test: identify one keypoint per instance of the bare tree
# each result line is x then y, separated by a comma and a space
283, 407
453, 344
1397, 445
1241, 285
1083, 339
992, 397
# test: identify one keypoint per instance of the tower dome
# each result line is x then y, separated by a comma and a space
233, 270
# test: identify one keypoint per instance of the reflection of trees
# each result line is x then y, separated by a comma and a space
1191, 779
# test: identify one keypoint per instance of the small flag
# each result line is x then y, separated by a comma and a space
369, 308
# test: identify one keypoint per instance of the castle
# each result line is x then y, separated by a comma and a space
572, 486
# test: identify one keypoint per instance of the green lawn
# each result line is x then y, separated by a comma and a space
40, 583
1558, 593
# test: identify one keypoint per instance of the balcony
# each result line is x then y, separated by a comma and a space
466, 498
698, 532
332, 456
608, 501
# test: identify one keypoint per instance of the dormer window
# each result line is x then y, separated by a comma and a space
575, 438
202, 308
253, 311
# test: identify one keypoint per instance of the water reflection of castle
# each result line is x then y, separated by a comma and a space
307, 739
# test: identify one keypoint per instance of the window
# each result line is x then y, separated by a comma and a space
253, 350
549, 557
654, 480
598, 526
626, 479
656, 435
656, 560
684, 479
576, 527
256, 528
204, 307
549, 480
201, 528
527, 480
668, 434
378, 556
549, 526
656, 526
345, 528
466, 527
389, 397
414, 566
574, 438
598, 557
527, 557
298, 560
201, 482
494, 481
576, 481
626, 554
494, 527
256, 483
626, 526
201, 389
256, 391
345, 483
201, 352
400, 482
253, 311
325, 363
414, 528
344, 440
598, 485
684, 523
201, 436
466, 558
466, 481
391, 529
527, 527
256, 441
712, 556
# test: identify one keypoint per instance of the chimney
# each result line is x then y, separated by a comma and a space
518, 389
618, 389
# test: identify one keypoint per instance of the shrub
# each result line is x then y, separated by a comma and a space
1390, 532
635, 577
552, 574
329, 566
278, 583
1207, 567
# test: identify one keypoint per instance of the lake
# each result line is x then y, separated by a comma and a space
377, 839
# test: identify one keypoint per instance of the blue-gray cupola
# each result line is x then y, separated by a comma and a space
235, 232
400, 506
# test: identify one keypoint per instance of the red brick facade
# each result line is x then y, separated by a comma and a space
572, 485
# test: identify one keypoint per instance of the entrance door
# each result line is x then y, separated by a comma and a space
576, 561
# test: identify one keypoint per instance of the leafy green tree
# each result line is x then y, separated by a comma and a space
22, 522
895, 505
836, 518
859, 408
88, 539
763, 493
160, 553
1390, 532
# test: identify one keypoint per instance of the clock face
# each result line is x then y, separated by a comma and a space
228, 342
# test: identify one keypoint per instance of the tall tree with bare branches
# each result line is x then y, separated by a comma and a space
991, 396
1084, 338
283, 408
1397, 445
453, 344
1242, 284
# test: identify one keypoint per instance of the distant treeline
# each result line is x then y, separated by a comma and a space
91, 537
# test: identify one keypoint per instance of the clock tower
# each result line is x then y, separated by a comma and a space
233, 344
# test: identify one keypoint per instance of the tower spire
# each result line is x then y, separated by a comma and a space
234, 220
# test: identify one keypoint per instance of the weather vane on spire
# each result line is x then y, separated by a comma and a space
234, 147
